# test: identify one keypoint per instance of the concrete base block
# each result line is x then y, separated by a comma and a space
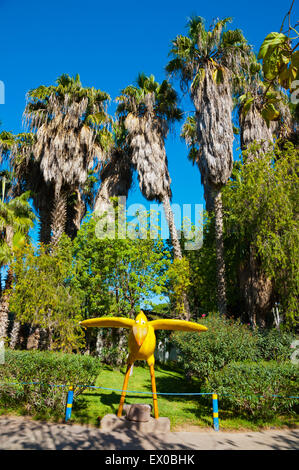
111, 423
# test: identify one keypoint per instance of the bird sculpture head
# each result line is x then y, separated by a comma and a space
140, 328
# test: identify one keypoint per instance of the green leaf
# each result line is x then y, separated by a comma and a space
271, 42
198, 79
295, 59
247, 105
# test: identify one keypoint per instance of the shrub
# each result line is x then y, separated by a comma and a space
225, 341
275, 345
113, 356
112, 346
248, 388
46, 368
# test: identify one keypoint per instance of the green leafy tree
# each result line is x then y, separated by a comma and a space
16, 218
279, 56
261, 243
202, 291
43, 295
280, 64
261, 212
118, 275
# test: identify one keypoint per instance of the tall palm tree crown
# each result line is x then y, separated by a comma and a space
71, 125
116, 173
147, 111
67, 118
210, 61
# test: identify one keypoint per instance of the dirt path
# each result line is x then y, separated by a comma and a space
21, 433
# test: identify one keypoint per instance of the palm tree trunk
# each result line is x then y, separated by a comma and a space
33, 339
220, 263
4, 306
59, 216
14, 337
209, 197
257, 290
45, 226
176, 246
172, 228
75, 214
103, 203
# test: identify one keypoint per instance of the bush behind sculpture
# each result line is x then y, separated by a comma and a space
275, 345
225, 341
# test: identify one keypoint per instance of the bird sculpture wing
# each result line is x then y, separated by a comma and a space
180, 325
112, 322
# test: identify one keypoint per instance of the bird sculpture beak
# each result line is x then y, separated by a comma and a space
140, 333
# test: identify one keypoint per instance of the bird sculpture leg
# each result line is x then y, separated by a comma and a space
124, 389
152, 371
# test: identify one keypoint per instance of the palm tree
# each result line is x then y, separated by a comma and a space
6, 142
189, 135
116, 173
147, 110
16, 218
70, 122
27, 176
210, 60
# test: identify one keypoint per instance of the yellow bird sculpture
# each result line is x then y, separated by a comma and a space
142, 343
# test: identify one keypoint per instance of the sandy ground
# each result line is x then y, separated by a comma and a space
17, 433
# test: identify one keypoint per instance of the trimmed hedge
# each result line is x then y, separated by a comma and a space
47, 368
248, 388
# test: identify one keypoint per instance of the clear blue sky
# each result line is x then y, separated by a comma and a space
108, 43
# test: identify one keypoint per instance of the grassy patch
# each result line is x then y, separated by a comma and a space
182, 411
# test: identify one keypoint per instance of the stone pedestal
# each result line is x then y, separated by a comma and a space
111, 422
138, 412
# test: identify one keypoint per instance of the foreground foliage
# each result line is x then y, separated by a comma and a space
260, 390
46, 368
237, 411
261, 204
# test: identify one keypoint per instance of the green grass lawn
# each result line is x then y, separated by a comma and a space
183, 411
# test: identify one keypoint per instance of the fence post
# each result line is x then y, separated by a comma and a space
69, 404
215, 412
